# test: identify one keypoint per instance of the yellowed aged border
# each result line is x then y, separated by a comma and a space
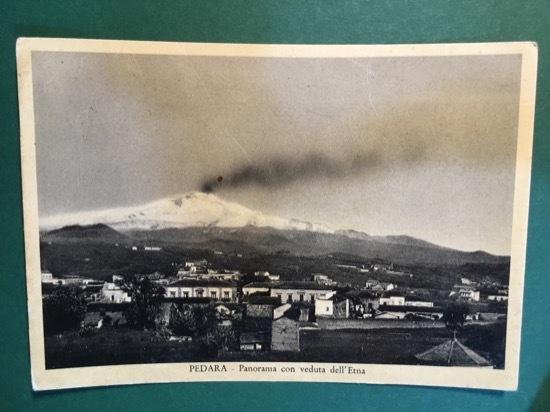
43, 379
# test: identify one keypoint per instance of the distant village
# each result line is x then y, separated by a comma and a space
265, 312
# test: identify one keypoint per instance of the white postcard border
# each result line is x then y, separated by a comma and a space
43, 379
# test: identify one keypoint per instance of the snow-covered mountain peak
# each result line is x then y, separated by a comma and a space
193, 209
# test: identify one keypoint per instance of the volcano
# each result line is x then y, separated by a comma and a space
194, 209
205, 221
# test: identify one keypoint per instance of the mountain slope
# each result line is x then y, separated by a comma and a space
268, 240
97, 232
190, 210
199, 220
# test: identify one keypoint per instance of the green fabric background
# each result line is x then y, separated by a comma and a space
260, 21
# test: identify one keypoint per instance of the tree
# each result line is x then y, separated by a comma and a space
195, 321
146, 296
455, 314
222, 338
184, 322
63, 309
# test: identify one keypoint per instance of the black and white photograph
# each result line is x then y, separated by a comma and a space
199, 212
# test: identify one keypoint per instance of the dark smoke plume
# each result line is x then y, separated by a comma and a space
282, 171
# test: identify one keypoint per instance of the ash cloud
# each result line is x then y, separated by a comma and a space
281, 171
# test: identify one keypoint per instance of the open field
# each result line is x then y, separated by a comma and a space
119, 346
115, 346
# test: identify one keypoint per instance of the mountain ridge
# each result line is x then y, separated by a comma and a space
193, 209
266, 240
98, 231
206, 221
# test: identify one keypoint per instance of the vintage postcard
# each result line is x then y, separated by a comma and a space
231, 212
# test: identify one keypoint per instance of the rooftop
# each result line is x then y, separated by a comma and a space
258, 285
338, 298
264, 300
405, 308
361, 294
301, 286
416, 299
392, 294
453, 353
192, 283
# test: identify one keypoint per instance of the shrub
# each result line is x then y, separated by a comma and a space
87, 331
63, 310
455, 314
107, 320
161, 334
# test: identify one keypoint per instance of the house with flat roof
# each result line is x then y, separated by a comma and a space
47, 277
388, 285
290, 292
468, 295
229, 276
392, 298
498, 297
111, 292
215, 290
336, 306
370, 283
418, 301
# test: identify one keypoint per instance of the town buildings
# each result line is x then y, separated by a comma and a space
256, 288
301, 291
216, 290
269, 314
336, 306
394, 298
111, 292
285, 334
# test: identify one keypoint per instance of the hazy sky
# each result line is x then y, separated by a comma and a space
422, 146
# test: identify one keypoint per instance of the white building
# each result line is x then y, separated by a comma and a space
498, 298
334, 307
392, 298
216, 290
74, 280
388, 285
322, 279
418, 302
290, 292
187, 271
111, 292
47, 277
469, 295
371, 283
265, 274
224, 275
